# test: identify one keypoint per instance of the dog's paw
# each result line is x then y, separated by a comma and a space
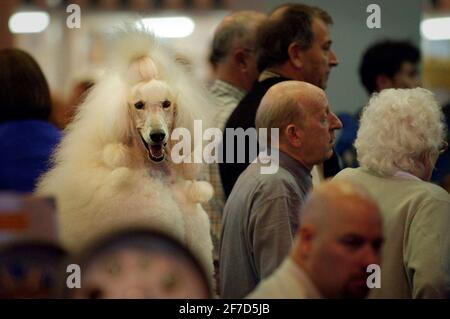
115, 155
200, 191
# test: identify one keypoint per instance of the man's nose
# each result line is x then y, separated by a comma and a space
333, 59
336, 123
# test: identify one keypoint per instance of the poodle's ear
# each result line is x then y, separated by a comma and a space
107, 101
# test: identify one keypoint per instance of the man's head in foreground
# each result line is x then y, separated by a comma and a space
340, 235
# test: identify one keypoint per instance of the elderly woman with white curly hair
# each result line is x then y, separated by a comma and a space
399, 140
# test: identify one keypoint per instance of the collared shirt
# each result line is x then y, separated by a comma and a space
227, 97
267, 75
289, 281
259, 224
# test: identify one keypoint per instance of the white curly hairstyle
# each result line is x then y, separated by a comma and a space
396, 127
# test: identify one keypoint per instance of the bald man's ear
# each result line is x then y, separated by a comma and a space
292, 134
295, 55
241, 59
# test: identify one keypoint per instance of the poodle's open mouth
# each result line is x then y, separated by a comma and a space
155, 151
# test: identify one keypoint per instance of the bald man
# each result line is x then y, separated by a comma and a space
260, 216
340, 235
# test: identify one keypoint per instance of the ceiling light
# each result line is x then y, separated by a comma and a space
436, 28
168, 27
29, 22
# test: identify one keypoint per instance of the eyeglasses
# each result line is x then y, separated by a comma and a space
443, 147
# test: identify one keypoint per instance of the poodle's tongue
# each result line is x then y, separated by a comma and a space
156, 152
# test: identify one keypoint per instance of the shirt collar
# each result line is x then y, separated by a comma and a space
293, 166
399, 174
305, 283
228, 88
406, 175
267, 75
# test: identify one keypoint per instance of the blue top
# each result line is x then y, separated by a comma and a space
26, 147
442, 167
344, 143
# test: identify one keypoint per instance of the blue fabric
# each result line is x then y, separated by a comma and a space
442, 167
26, 147
344, 144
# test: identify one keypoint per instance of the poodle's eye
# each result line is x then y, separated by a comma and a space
139, 105
166, 103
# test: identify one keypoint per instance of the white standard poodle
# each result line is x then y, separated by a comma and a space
114, 168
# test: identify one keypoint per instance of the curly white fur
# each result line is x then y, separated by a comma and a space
102, 178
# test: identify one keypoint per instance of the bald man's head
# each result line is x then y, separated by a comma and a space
306, 125
333, 200
340, 234
288, 102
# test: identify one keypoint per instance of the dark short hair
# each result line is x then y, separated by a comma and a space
385, 58
294, 24
24, 93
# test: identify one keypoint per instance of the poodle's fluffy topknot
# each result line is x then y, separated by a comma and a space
129, 52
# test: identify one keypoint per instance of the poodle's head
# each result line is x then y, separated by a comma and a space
143, 97
152, 106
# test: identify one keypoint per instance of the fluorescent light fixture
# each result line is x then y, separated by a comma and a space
436, 28
168, 27
29, 22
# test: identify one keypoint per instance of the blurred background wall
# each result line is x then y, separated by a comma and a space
68, 54
400, 19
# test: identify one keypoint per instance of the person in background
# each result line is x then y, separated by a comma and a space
233, 57
27, 138
400, 137
441, 173
340, 235
261, 215
63, 111
385, 64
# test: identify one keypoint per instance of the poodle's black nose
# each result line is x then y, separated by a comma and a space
157, 136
